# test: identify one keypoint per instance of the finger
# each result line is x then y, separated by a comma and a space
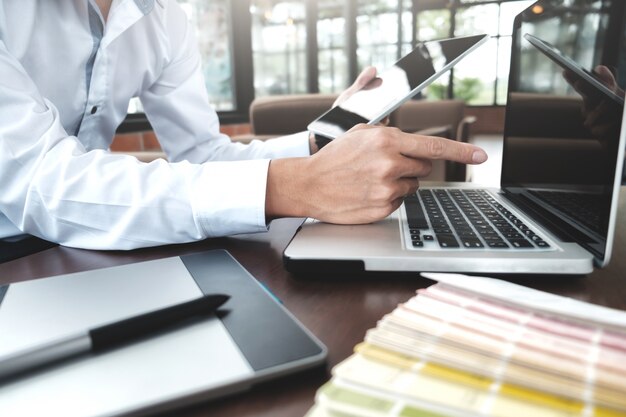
384, 122
360, 126
606, 76
412, 168
433, 147
407, 186
373, 83
594, 115
367, 75
362, 80
395, 204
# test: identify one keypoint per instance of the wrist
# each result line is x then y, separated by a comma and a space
286, 189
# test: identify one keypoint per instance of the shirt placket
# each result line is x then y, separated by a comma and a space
122, 15
95, 79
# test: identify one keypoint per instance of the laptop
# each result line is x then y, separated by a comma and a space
252, 339
554, 212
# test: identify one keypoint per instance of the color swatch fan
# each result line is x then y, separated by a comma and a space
472, 346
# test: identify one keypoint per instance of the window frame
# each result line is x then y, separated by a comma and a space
243, 61
243, 81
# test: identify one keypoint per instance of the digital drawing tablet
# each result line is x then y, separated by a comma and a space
395, 85
253, 338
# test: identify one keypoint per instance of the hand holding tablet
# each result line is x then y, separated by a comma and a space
374, 101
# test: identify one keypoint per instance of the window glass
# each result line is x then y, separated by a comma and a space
504, 65
333, 71
438, 90
508, 11
433, 24
474, 77
377, 33
407, 23
279, 47
331, 41
380, 56
477, 19
212, 22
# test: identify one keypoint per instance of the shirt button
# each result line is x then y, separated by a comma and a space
94, 109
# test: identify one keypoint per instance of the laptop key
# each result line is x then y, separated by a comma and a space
472, 243
447, 240
415, 215
497, 244
520, 243
418, 244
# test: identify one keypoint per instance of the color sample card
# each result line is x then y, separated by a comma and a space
454, 351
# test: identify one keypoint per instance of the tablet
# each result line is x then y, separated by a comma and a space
581, 73
253, 338
395, 85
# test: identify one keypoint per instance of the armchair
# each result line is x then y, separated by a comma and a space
282, 115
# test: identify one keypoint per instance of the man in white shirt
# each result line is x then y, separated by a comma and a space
67, 72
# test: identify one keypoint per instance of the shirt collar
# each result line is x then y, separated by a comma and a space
124, 14
145, 6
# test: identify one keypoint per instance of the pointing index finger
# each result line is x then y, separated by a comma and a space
433, 147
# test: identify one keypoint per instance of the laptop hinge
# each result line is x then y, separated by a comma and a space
550, 221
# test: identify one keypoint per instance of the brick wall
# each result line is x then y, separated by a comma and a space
488, 120
147, 141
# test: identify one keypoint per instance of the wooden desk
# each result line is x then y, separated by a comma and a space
338, 311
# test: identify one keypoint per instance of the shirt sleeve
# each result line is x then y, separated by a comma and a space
179, 110
53, 188
229, 197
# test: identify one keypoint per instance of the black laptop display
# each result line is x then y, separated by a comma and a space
556, 208
562, 121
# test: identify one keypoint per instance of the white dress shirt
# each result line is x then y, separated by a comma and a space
66, 79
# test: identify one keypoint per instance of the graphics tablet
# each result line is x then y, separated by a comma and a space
411, 74
253, 338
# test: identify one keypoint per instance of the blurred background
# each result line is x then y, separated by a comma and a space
256, 48
259, 49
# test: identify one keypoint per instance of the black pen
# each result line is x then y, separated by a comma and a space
108, 336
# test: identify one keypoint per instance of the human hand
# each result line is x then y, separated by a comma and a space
360, 177
365, 80
600, 115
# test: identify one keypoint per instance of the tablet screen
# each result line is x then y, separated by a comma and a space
395, 85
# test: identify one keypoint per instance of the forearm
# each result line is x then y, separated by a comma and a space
359, 177
288, 183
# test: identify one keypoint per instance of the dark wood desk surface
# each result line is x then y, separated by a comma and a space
338, 311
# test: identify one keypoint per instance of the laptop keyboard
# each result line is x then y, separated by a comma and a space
465, 219
583, 208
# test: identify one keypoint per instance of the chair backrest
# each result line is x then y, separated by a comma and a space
416, 115
283, 115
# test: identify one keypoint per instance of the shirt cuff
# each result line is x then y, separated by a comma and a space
290, 146
229, 197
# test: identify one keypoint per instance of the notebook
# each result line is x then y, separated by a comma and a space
554, 213
252, 339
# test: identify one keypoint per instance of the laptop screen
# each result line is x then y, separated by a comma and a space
563, 119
